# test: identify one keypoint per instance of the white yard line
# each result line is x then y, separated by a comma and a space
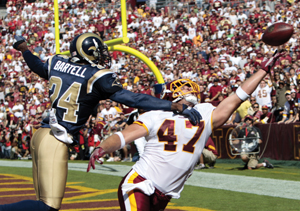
245, 184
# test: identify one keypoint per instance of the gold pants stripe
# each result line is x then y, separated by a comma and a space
49, 167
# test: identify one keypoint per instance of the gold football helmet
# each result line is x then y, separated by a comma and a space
174, 91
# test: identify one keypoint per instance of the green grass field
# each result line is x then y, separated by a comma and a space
199, 197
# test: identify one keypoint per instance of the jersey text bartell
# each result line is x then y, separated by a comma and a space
68, 68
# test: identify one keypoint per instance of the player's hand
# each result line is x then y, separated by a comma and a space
96, 155
267, 64
193, 115
20, 44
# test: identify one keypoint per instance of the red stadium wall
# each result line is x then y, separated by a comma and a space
283, 144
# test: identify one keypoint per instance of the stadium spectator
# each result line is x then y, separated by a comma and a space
263, 94
214, 92
224, 48
209, 155
257, 113
251, 159
109, 113
281, 88
290, 110
250, 109
266, 117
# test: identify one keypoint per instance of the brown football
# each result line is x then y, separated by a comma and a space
278, 34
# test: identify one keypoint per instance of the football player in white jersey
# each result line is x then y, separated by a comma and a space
109, 114
173, 145
263, 94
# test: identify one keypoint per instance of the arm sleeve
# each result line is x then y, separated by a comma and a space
146, 120
143, 101
35, 64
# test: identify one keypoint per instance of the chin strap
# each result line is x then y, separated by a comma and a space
191, 99
75, 59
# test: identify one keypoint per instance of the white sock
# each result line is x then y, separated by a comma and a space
264, 164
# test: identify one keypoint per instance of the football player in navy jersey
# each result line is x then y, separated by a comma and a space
76, 84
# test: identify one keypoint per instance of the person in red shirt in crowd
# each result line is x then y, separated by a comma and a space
32, 108
146, 89
285, 58
24, 147
100, 28
209, 155
91, 133
224, 87
214, 92
213, 21
116, 54
16, 94
254, 62
266, 117
83, 144
260, 56
234, 78
203, 94
206, 70
107, 25
99, 130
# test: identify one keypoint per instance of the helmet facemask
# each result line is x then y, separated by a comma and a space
104, 58
174, 93
90, 47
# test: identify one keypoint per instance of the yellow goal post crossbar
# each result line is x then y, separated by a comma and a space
113, 45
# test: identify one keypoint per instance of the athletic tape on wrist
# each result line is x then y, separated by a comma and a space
242, 94
121, 138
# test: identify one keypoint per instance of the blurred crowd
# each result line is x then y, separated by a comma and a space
215, 43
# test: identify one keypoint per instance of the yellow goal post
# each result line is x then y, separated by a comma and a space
114, 44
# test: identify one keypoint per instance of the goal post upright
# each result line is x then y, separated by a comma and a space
114, 44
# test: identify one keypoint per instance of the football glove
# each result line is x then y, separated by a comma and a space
96, 155
19, 40
191, 113
267, 64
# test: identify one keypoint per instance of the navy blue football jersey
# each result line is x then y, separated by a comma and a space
75, 90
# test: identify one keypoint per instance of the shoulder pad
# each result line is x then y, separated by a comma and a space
95, 77
99, 66
63, 56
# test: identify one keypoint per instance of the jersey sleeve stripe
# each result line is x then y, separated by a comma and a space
95, 77
142, 124
211, 147
49, 65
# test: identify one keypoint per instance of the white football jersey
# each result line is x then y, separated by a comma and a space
173, 147
108, 114
263, 95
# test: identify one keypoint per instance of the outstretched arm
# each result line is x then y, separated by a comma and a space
230, 104
148, 102
33, 62
144, 101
